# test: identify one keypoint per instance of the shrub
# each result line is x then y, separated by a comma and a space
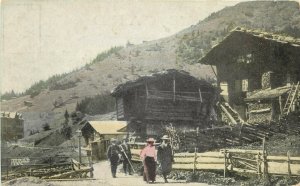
66, 131
33, 131
46, 127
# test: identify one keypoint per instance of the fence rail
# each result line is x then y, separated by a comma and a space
235, 160
60, 167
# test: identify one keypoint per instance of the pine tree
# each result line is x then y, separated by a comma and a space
66, 115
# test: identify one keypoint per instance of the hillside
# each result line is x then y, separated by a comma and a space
180, 51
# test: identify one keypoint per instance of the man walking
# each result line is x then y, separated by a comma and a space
165, 157
126, 155
113, 153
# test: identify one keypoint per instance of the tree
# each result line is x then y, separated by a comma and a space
66, 115
46, 127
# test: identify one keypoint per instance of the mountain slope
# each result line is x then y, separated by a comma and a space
180, 51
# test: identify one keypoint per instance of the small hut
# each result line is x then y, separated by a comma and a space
97, 135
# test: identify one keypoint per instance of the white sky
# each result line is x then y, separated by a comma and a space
45, 37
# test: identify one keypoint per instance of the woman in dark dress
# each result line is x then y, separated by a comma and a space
148, 156
165, 157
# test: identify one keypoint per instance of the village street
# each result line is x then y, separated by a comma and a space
103, 177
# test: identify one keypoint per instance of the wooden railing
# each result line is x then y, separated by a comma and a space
235, 160
45, 167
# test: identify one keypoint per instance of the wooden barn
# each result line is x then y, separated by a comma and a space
152, 102
12, 126
97, 135
258, 73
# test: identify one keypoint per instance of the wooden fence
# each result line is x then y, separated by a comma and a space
235, 160
46, 167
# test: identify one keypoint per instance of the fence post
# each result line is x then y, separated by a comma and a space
91, 167
225, 164
289, 163
195, 160
265, 160
258, 161
8, 166
184, 137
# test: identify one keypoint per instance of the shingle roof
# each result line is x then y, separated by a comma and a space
152, 77
11, 115
109, 127
270, 36
242, 35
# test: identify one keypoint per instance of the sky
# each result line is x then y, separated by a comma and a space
40, 38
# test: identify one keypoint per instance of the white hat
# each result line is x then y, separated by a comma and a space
150, 140
165, 137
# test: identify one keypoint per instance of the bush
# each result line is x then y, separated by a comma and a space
106, 54
33, 131
34, 93
46, 127
10, 95
66, 131
76, 116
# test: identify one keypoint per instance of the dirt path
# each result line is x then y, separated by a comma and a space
103, 177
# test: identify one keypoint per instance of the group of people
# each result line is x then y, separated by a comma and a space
117, 153
163, 158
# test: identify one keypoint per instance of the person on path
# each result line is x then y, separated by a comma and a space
148, 156
165, 157
113, 155
126, 155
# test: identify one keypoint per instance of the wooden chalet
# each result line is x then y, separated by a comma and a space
12, 126
258, 74
152, 102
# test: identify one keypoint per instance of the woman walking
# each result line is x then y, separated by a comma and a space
165, 157
148, 156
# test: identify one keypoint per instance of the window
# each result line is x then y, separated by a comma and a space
245, 85
224, 88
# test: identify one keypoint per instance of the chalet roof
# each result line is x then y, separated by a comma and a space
109, 127
270, 36
268, 93
153, 77
242, 35
11, 115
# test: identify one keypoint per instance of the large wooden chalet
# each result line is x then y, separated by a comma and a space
152, 102
258, 73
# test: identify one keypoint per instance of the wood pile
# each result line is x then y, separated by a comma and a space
222, 137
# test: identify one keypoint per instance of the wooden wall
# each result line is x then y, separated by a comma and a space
11, 129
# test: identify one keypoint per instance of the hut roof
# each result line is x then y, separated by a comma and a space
109, 127
240, 38
268, 93
155, 77
11, 115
